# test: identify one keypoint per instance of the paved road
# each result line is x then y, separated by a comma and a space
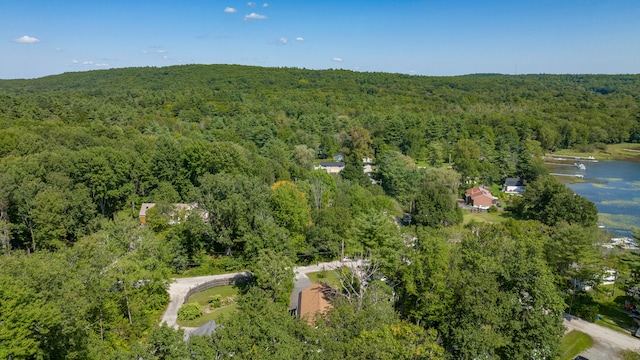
180, 287
607, 343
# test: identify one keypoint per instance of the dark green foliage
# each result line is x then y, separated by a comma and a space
398, 175
481, 296
273, 273
189, 311
585, 307
503, 305
434, 206
233, 203
550, 202
353, 171
163, 343
263, 329
81, 302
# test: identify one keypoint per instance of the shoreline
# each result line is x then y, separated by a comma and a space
623, 151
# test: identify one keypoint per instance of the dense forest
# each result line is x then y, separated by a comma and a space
80, 153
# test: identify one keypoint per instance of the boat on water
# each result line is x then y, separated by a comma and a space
580, 166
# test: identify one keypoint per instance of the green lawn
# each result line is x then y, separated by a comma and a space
202, 298
328, 276
483, 216
573, 344
218, 314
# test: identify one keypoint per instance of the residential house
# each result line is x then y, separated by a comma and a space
332, 167
313, 301
480, 197
513, 185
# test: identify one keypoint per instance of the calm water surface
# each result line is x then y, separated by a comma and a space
614, 186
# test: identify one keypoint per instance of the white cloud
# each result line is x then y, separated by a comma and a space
299, 38
87, 63
26, 40
145, 52
58, 49
74, 61
283, 40
161, 52
230, 10
254, 16
338, 59
265, 5
251, 3
102, 65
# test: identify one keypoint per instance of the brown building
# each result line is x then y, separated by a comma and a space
313, 301
480, 197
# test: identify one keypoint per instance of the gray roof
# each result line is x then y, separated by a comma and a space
513, 182
206, 329
332, 163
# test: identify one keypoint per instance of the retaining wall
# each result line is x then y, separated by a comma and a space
240, 278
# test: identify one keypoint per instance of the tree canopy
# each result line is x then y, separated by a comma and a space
227, 155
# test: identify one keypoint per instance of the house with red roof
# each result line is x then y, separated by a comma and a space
480, 197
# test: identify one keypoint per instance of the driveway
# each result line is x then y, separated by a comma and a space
178, 291
179, 288
607, 343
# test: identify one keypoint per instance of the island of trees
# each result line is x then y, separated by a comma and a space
82, 278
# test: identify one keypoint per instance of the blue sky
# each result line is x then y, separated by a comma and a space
44, 37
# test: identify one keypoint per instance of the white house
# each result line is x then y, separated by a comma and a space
332, 167
513, 186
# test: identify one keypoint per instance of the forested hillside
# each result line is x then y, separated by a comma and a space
80, 153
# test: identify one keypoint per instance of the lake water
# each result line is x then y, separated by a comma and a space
614, 186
